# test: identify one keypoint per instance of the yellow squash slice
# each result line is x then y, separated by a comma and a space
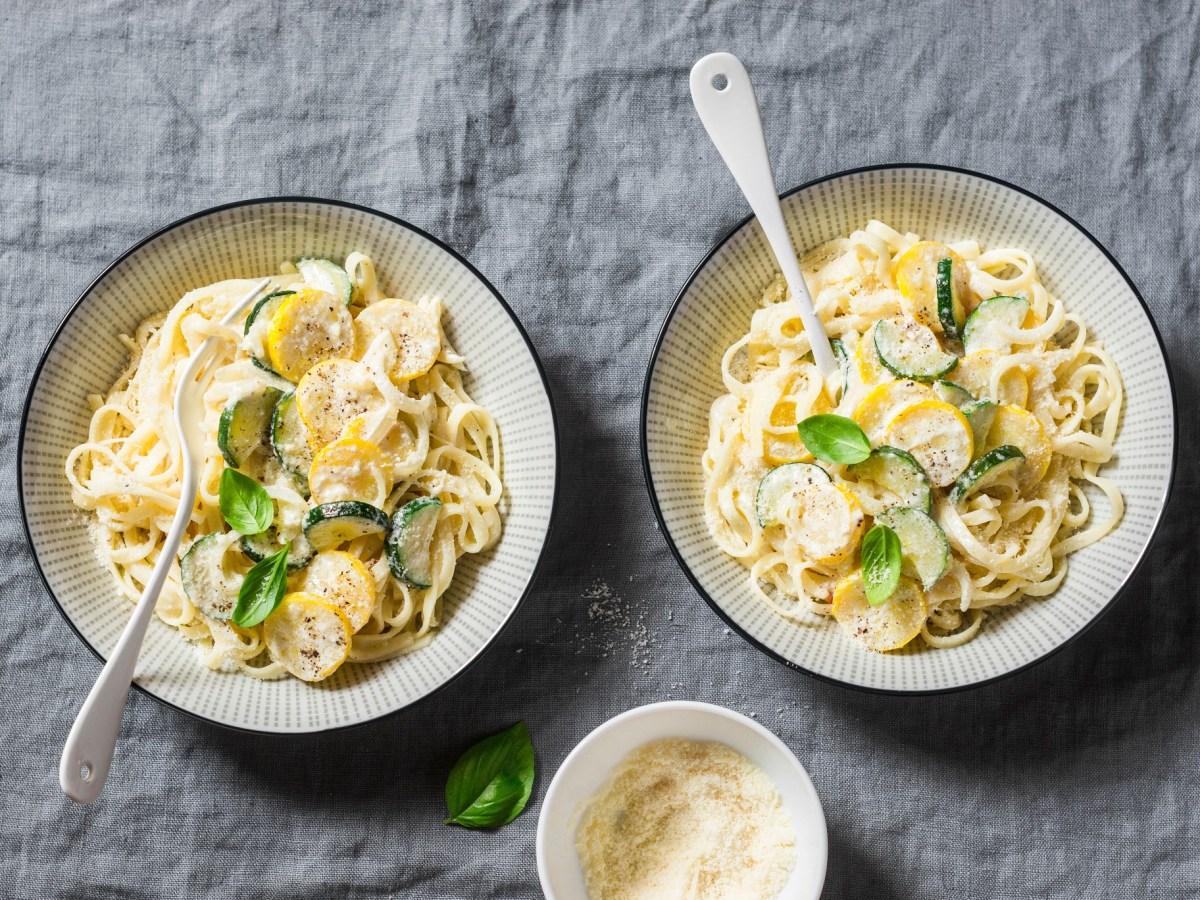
783, 445
1014, 425
937, 435
396, 443
916, 279
866, 359
888, 626
349, 469
308, 636
308, 327
331, 393
415, 331
876, 410
342, 581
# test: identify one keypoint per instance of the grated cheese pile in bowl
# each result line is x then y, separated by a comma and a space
686, 819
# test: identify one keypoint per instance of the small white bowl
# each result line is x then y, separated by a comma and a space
588, 766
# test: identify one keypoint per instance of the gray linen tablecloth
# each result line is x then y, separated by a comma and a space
555, 145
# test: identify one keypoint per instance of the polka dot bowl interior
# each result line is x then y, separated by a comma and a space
713, 310
250, 239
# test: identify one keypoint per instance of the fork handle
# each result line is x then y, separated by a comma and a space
87, 754
724, 99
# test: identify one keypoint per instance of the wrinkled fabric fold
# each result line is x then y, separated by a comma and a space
555, 145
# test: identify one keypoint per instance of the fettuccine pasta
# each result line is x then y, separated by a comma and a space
989, 411
349, 408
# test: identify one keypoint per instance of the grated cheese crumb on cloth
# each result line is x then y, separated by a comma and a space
621, 629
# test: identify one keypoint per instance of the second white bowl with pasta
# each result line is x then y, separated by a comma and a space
1011, 388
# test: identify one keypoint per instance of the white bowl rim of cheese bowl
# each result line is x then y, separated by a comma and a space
588, 766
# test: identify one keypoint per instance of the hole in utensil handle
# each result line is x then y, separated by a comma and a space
720, 81
86, 771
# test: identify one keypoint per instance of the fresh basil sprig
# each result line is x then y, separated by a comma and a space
491, 783
262, 589
834, 439
245, 503
880, 564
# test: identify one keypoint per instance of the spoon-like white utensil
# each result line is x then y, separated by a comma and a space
724, 98
88, 752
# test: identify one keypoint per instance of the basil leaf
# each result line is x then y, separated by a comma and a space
834, 439
491, 783
262, 589
880, 564
245, 503
495, 806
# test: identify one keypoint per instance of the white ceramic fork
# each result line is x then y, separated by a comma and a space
724, 98
88, 752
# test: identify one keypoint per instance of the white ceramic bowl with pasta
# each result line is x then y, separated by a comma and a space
501, 374
689, 420
588, 766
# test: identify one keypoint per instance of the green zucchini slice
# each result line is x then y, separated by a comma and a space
986, 471
326, 276
259, 321
410, 542
245, 424
205, 581
331, 524
911, 350
982, 333
264, 310
924, 550
843, 361
952, 311
949, 392
902, 479
979, 415
289, 440
779, 483
259, 546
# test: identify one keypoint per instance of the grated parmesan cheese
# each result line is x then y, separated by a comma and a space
686, 819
